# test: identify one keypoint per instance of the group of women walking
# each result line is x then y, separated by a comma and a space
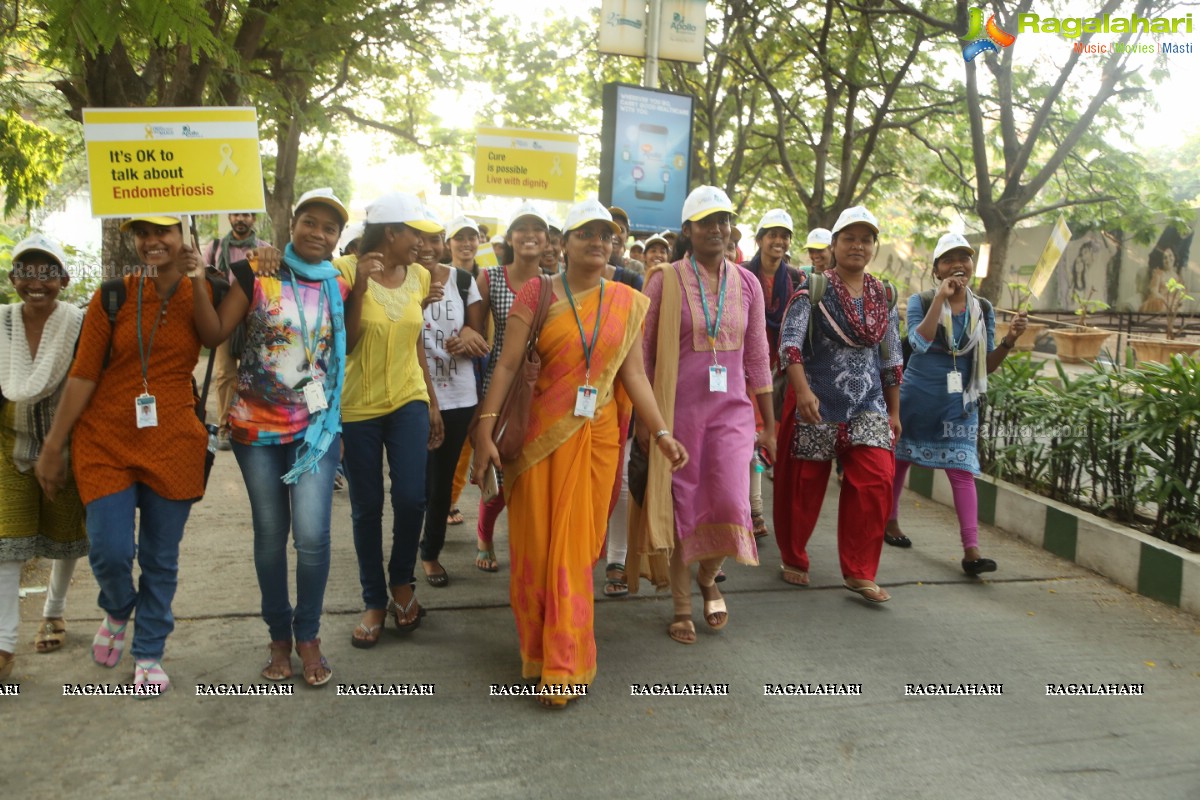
373, 358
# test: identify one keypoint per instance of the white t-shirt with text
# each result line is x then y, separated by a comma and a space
453, 377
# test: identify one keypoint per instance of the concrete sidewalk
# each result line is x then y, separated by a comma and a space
1040, 621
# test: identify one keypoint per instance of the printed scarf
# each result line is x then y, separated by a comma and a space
841, 315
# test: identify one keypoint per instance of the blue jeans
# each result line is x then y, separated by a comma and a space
110, 529
302, 508
403, 435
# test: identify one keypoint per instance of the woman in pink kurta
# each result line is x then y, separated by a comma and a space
721, 351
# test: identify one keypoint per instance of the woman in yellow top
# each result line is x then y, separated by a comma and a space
560, 488
388, 406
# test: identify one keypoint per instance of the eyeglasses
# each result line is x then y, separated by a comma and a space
587, 236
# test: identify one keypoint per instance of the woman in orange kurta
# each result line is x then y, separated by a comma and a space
558, 490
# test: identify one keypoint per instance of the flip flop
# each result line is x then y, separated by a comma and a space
760, 526
109, 642
793, 576
485, 561
279, 656
147, 674
870, 587
455, 517
313, 661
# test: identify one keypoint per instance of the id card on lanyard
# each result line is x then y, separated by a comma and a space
586, 396
145, 407
718, 376
314, 393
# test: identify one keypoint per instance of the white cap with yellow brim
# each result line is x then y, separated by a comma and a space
39, 243
401, 208
590, 210
706, 200
818, 239
158, 220
855, 215
952, 241
459, 224
325, 196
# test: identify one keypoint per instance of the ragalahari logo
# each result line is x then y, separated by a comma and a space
983, 38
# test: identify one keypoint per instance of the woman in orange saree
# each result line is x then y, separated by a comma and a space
559, 489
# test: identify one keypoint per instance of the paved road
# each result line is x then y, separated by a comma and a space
1040, 621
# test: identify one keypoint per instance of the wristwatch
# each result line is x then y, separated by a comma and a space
1004, 343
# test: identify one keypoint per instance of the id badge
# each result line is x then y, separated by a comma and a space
147, 411
718, 379
954, 382
585, 402
314, 396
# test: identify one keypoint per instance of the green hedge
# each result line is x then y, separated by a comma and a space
1122, 443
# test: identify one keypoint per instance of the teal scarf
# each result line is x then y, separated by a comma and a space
324, 425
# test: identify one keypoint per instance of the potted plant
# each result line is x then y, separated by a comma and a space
1018, 295
1081, 342
1161, 350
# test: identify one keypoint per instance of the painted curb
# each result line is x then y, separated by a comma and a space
1135, 560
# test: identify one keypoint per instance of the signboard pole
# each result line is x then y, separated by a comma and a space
650, 76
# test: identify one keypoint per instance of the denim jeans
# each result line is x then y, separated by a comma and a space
403, 436
110, 529
439, 480
302, 508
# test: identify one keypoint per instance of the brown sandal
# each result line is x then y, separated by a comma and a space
279, 660
314, 663
51, 635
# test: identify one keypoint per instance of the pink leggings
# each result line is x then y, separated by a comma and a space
962, 483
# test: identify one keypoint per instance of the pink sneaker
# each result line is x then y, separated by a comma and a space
109, 641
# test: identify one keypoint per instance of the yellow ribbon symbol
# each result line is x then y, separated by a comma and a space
149, 132
556, 167
227, 160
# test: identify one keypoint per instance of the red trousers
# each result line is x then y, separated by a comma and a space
863, 506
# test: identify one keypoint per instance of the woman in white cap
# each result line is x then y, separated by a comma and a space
285, 423
462, 237
590, 347
843, 362
778, 279
389, 407
37, 341
658, 250
952, 332
817, 246
706, 344
453, 336
137, 446
524, 243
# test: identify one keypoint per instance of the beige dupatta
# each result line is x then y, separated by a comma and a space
652, 527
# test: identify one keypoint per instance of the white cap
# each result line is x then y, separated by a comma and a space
461, 224
587, 211
401, 207
853, 216
497, 239
705, 200
40, 244
165, 222
553, 223
638, 243
433, 219
529, 210
323, 195
659, 238
775, 218
818, 239
952, 241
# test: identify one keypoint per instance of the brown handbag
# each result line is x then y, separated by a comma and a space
509, 431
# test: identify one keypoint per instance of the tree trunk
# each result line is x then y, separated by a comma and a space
117, 255
993, 284
283, 193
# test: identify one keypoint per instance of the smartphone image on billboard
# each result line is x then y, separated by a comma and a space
649, 182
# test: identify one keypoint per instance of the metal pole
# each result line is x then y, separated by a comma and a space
650, 78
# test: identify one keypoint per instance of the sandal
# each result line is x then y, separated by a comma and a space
438, 580
6, 666
485, 560
455, 517
894, 536
870, 592
716, 615
109, 642
279, 660
556, 702
760, 526
682, 631
615, 585
149, 678
314, 663
370, 633
397, 610
794, 576
721, 576
51, 635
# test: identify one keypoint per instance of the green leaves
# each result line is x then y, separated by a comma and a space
31, 159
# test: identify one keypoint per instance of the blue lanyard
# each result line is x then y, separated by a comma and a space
711, 327
310, 344
144, 353
587, 348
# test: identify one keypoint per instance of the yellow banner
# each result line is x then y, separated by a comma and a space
1060, 236
173, 161
530, 164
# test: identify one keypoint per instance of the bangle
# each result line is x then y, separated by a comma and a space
1004, 343
486, 416
658, 435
